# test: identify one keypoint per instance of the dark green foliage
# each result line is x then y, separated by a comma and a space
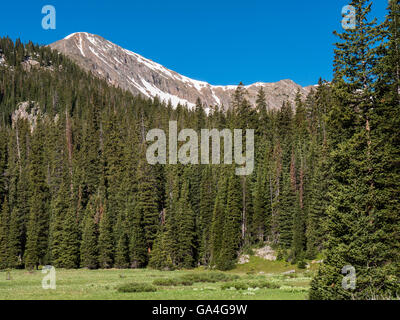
38, 223
89, 250
218, 219
146, 215
287, 212
362, 218
69, 253
231, 237
136, 287
172, 282
4, 227
105, 240
59, 210
160, 258
186, 229
207, 198
301, 264
14, 244
3, 161
122, 247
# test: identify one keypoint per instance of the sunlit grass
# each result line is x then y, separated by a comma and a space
103, 284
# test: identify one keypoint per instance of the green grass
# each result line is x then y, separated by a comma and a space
257, 264
103, 284
210, 276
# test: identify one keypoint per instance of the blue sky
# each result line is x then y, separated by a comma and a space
221, 41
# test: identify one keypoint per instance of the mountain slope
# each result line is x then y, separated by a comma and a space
130, 71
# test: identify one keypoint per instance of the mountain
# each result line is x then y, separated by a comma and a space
130, 71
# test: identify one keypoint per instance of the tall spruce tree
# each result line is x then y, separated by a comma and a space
4, 229
89, 250
38, 223
231, 235
356, 219
106, 239
218, 218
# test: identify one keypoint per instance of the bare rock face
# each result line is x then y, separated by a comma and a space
266, 253
30, 64
28, 110
245, 258
139, 75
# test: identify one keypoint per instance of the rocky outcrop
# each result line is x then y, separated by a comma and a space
28, 110
30, 64
266, 253
130, 71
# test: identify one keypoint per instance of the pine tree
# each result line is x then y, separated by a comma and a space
231, 237
170, 218
4, 228
160, 258
69, 255
287, 211
207, 196
122, 245
59, 209
3, 161
138, 246
88, 249
91, 159
218, 219
186, 229
19, 218
261, 222
356, 220
37, 228
317, 201
298, 240
14, 244
145, 217
106, 239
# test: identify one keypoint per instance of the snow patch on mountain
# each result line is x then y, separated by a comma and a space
166, 97
80, 45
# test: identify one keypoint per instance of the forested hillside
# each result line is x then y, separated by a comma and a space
76, 189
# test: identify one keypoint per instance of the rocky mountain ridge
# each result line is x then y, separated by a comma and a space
131, 71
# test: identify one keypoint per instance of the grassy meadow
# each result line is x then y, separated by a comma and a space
258, 279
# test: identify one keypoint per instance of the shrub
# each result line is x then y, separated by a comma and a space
266, 285
248, 250
249, 285
136, 287
301, 264
172, 282
251, 271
